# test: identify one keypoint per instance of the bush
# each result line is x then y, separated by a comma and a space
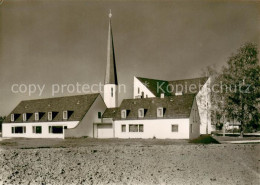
204, 139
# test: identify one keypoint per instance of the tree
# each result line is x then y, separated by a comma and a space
240, 87
1, 121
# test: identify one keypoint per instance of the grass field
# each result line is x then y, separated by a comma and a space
125, 161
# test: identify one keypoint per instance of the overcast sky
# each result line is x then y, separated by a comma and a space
64, 41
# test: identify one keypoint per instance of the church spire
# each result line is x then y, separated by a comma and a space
111, 75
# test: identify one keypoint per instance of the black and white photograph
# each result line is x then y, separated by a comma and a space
129, 92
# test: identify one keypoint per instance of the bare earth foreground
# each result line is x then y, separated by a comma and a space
115, 161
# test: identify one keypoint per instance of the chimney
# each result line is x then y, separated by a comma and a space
162, 95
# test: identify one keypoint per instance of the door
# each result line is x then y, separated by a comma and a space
105, 131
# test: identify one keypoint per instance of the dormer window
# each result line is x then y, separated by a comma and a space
12, 117
49, 116
65, 114
123, 113
141, 113
36, 116
24, 117
160, 112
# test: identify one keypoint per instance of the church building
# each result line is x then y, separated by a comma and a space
155, 111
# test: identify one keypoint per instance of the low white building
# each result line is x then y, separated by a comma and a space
174, 117
70, 116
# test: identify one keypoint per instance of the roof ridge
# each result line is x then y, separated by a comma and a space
59, 97
173, 80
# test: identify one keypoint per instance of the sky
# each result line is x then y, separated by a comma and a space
46, 42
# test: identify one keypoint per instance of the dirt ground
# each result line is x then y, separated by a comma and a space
115, 161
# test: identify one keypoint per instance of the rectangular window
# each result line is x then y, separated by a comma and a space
12, 117
49, 116
141, 113
112, 92
24, 117
36, 116
160, 112
133, 128
136, 128
123, 128
190, 128
99, 115
18, 130
37, 129
56, 129
123, 113
175, 128
65, 114
141, 128
138, 90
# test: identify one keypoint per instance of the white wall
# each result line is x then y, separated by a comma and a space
110, 101
194, 121
143, 88
85, 126
203, 97
7, 129
159, 128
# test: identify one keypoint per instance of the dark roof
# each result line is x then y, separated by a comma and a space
77, 106
152, 85
187, 85
111, 74
169, 88
174, 107
110, 113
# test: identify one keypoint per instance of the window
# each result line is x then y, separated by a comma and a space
136, 128
138, 90
65, 127
142, 95
18, 130
99, 115
37, 129
24, 117
160, 112
12, 117
133, 128
123, 113
141, 128
36, 116
112, 92
190, 128
141, 113
175, 128
49, 116
65, 114
56, 129
123, 128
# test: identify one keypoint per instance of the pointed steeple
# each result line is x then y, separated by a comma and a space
111, 75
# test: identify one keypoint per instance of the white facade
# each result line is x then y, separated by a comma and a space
85, 127
7, 129
204, 106
141, 90
154, 128
188, 128
111, 95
